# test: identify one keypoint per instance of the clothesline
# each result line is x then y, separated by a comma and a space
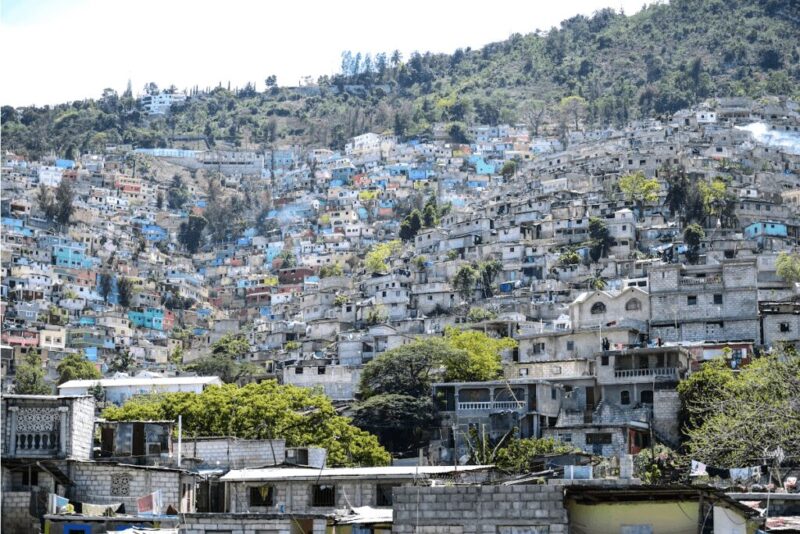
699, 469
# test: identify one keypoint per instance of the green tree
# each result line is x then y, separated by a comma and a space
678, 188
464, 281
430, 216
328, 271
710, 382
693, 235
406, 370
755, 414
124, 291
509, 169
524, 455
227, 360
401, 422
123, 362
714, 195
570, 257
661, 465
377, 258
573, 108
488, 271
177, 194
106, 286
600, 237
787, 266
76, 367
160, 199
29, 377
474, 356
639, 189
65, 197
46, 202
411, 226
303, 417
596, 281
191, 232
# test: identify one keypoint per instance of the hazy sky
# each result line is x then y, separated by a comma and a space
62, 50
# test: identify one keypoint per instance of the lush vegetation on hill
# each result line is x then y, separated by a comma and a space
615, 68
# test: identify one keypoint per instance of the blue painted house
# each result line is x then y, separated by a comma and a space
72, 255
152, 318
762, 229
481, 166
154, 233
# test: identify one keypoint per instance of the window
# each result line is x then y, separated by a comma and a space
570, 345
538, 348
262, 496
717, 299
298, 370
598, 438
633, 305
785, 327
553, 393
646, 397
323, 495
625, 397
383, 494
321, 370
603, 360
555, 370
691, 300
30, 478
523, 371
598, 308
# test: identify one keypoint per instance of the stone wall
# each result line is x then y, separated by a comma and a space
81, 428
106, 483
295, 497
666, 405
479, 509
16, 516
250, 523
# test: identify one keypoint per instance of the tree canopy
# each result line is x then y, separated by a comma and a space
739, 419
76, 367
29, 377
266, 410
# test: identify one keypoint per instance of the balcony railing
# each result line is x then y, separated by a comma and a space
43, 443
640, 373
491, 405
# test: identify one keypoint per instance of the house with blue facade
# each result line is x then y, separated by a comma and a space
154, 233
766, 229
151, 318
72, 255
481, 166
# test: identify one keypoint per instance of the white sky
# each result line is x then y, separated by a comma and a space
62, 50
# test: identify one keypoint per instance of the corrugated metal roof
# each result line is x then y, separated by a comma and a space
300, 473
127, 382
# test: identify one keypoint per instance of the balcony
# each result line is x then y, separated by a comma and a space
37, 444
491, 405
671, 372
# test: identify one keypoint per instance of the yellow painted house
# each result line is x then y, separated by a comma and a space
656, 510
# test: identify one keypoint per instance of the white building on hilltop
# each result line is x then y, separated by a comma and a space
159, 104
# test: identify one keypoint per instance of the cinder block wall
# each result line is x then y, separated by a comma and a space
478, 509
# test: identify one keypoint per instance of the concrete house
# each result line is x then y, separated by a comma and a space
704, 302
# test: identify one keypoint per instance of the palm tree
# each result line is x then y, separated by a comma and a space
596, 281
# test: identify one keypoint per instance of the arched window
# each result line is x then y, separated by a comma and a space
646, 397
625, 397
598, 308
633, 305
